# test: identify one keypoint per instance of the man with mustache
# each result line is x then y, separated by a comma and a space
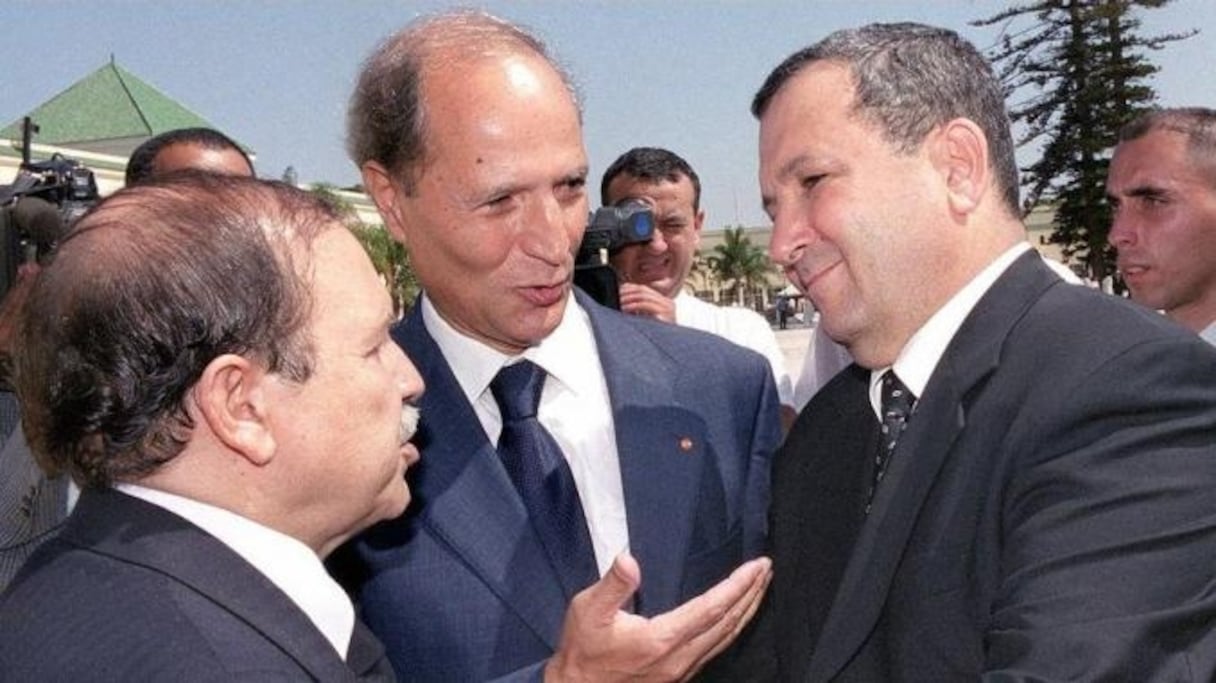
1014, 479
1162, 188
644, 480
209, 358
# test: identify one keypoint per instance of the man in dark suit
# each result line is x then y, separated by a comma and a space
1014, 481
209, 359
655, 439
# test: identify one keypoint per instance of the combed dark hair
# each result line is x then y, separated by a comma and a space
386, 120
653, 165
909, 79
149, 287
140, 166
1198, 124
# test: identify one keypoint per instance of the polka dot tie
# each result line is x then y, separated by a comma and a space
542, 476
897, 404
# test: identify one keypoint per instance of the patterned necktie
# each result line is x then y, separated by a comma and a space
542, 476
896, 407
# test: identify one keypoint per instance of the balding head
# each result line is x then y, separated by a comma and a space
386, 121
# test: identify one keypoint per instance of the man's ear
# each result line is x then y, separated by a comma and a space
385, 192
961, 155
230, 398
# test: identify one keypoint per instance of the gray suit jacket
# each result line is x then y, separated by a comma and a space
128, 591
32, 507
1049, 514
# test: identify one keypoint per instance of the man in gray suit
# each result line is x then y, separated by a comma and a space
209, 358
1014, 480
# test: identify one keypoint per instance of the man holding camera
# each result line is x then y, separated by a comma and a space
653, 273
639, 482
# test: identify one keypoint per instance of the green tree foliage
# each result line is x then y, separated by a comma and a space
1074, 72
739, 262
389, 258
392, 261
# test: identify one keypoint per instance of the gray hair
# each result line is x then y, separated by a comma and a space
909, 79
386, 119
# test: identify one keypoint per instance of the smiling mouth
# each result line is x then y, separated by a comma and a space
810, 281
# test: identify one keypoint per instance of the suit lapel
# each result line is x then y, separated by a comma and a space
939, 418
464, 496
662, 449
143, 534
366, 656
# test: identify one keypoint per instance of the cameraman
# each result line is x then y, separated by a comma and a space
653, 274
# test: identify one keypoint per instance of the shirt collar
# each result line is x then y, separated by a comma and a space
289, 564
919, 358
1209, 333
569, 354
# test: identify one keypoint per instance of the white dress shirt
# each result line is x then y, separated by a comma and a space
289, 564
574, 408
919, 357
1209, 333
742, 326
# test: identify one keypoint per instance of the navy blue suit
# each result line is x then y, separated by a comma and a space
459, 589
129, 591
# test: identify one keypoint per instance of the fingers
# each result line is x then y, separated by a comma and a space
710, 621
733, 624
608, 595
642, 300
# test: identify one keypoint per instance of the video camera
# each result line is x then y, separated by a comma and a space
609, 229
37, 209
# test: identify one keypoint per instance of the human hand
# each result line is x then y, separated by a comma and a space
642, 300
601, 642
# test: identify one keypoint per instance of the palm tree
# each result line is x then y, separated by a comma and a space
392, 261
389, 258
737, 261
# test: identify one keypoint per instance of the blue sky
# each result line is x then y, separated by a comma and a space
679, 74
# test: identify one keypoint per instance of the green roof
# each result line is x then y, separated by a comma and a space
109, 104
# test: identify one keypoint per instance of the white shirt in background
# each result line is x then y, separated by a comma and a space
742, 326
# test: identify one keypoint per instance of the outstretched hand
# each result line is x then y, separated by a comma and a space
601, 642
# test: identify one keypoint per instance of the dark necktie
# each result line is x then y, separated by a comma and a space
542, 476
896, 408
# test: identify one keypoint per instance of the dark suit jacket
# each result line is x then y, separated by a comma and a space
459, 588
131, 592
32, 507
1049, 514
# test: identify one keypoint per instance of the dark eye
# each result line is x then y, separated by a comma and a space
810, 181
572, 188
